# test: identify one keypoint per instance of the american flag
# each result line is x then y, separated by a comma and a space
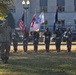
22, 26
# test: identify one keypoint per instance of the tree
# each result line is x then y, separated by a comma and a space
11, 21
4, 7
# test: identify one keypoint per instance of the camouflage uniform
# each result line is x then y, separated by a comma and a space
5, 32
36, 40
69, 39
25, 41
47, 34
58, 39
15, 37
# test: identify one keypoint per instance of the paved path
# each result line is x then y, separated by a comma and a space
42, 47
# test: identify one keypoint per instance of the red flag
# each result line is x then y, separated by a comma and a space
22, 26
33, 21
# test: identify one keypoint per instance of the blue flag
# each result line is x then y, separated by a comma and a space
56, 20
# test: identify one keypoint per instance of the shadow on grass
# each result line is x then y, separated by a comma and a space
41, 63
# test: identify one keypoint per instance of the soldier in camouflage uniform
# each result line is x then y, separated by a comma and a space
25, 40
6, 33
36, 40
58, 39
15, 38
47, 34
69, 39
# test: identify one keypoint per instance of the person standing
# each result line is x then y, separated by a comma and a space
69, 39
15, 37
25, 40
36, 40
47, 34
58, 39
6, 35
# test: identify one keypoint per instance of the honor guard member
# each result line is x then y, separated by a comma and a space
36, 40
58, 39
47, 34
5, 36
69, 39
15, 37
25, 40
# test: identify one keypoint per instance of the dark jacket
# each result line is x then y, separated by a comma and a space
15, 37
36, 37
26, 36
68, 36
58, 33
47, 36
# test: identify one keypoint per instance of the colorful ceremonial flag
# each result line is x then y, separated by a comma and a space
33, 22
55, 20
38, 22
21, 25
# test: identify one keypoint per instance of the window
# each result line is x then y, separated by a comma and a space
43, 5
61, 5
61, 23
75, 5
43, 27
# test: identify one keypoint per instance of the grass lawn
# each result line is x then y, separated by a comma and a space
40, 63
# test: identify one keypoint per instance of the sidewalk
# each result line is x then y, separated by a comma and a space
42, 43
52, 47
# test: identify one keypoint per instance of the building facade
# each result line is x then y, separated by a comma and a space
66, 12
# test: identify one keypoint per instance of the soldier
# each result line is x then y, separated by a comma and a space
15, 37
69, 39
25, 40
36, 37
58, 39
6, 35
47, 34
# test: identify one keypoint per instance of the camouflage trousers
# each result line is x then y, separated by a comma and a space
36, 47
25, 44
47, 47
15, 44
69, 43
5, 49
58, 44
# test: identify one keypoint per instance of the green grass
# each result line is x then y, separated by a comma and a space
41, 63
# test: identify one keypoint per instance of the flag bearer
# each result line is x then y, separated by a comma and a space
15, 39
25, 40
69, 39
36, 40
58, 39
47, 34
